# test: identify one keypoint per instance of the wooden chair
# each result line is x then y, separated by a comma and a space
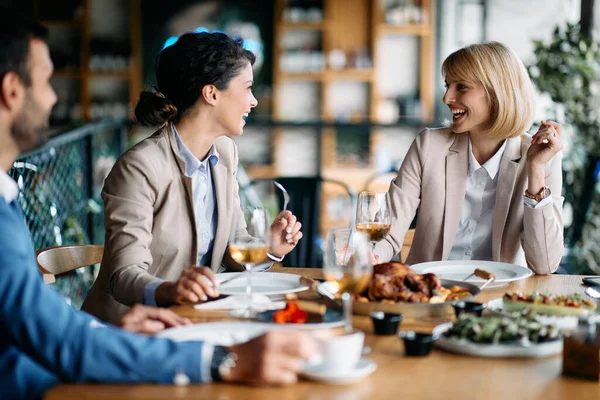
58, 260
406, 245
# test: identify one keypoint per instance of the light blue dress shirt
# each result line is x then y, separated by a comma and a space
205, 206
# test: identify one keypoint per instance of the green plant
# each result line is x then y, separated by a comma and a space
568, 70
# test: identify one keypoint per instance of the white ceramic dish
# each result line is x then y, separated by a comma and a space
217, 333
233, 332
564, 323
363, 368
500, 350
458, 270
265, 283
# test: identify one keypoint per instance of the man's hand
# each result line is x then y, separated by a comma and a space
275, 358
150, 320
194, 285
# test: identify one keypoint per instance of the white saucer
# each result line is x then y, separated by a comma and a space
363, 368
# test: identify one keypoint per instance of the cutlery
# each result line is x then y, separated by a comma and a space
229, 279
328, 297
488, 276
593, 293
286, 196
262, 267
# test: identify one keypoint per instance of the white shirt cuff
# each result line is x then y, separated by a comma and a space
275, 258
531, 203
150, 292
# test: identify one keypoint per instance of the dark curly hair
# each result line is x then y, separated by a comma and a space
183, 69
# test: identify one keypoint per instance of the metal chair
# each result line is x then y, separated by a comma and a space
58, 260
305, 203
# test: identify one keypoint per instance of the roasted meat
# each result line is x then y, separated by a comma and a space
395, 282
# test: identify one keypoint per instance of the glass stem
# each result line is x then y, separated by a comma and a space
249, 285
347, 307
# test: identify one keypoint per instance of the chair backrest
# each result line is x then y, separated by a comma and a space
406, 245
305, 203
58, 260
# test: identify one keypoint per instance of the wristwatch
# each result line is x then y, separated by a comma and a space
542, 194
222, 363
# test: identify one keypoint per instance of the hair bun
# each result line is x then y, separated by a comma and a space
154, 108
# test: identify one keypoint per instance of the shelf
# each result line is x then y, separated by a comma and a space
317, 26
260, 171
411, 29
303, 76
365, 75
124, 74
67, 73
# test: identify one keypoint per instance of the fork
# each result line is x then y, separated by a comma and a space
286, 196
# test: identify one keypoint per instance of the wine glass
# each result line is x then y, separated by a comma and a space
373, 215
348, 266
249, 247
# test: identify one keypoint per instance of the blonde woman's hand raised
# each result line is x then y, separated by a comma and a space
545, 144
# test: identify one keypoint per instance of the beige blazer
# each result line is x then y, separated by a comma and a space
150, 224
433, 179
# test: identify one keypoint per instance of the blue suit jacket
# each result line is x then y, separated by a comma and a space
43, 341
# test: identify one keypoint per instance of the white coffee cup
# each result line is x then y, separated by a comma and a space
340, 353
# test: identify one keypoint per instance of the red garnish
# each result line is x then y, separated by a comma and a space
290, 314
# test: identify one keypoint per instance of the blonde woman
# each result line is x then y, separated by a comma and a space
484, 188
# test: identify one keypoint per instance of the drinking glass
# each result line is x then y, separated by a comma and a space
249, 247
348, 266
373, 215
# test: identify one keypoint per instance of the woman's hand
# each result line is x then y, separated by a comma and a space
546, 143
150, 320
194, 285
285, 233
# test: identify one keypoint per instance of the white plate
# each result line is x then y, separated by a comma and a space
565, 323
233, 332
265, 283
217, 333
363, 368
458, 270
500, 350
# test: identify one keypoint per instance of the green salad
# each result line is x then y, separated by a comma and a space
521, 330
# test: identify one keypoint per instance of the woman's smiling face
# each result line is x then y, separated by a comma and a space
469, 105
236, 102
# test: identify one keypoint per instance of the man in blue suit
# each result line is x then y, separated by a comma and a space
43, 341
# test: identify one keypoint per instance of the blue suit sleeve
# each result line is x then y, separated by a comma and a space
68, 342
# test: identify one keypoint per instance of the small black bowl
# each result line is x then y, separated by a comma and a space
468, 307
386, 323
417, 344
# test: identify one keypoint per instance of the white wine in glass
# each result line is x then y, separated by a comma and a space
248, 254
249, 247
373, 215
347, 266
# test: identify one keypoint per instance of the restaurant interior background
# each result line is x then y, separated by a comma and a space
343, 87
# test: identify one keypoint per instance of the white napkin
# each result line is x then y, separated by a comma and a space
259, 302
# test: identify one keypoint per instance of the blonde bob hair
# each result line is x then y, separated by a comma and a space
505, 80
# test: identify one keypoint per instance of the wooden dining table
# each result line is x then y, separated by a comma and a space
440, 375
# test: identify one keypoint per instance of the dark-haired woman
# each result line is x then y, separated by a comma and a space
172, 200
